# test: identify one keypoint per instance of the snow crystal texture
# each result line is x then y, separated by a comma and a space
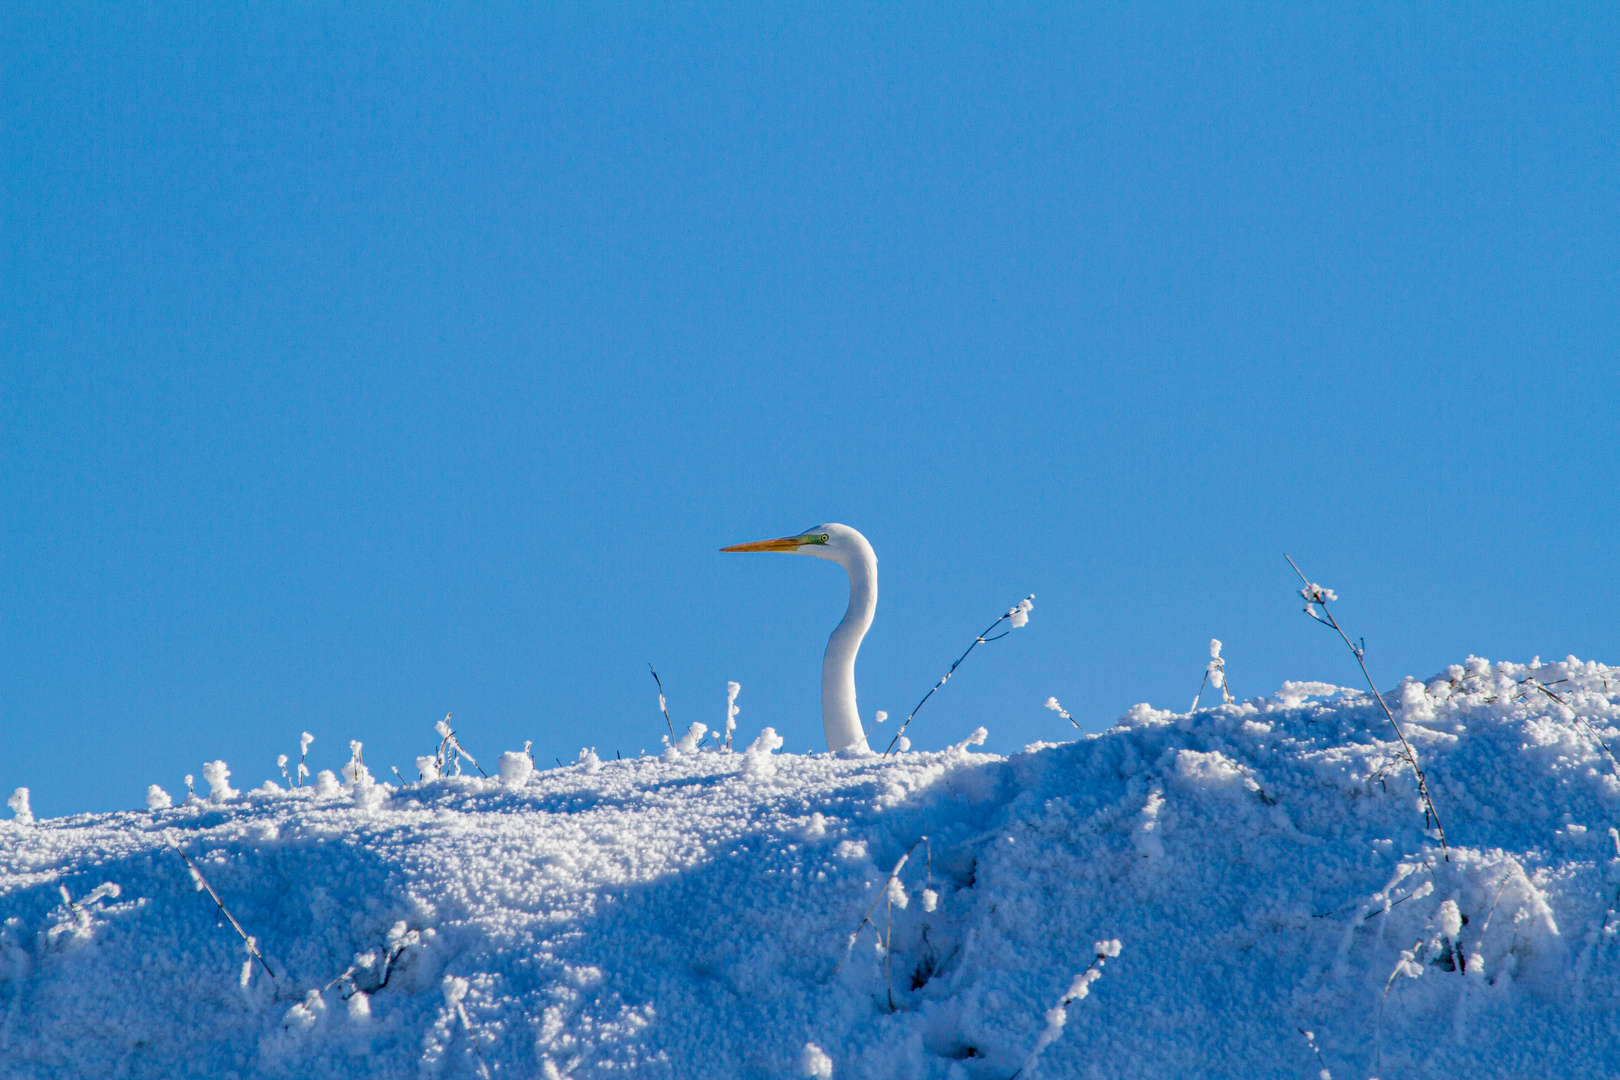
1252, 873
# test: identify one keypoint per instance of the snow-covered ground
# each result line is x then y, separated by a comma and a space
1264, 868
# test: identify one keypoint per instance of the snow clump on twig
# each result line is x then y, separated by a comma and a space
19, 807
157, 798
1314, 594
303, 752
975, 739
814, 1063
689, 741
516, 768
757, 763
1052, 703
1058, 1015
732, 690
219, 781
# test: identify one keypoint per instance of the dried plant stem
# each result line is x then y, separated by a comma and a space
1579, 719
1215, 664
452, 744
1327, 619
662, 705
867, 918
1053, 704
981, 639
1420, 890
1078, 989
888, 950
391, 957
1200, 695
1378, 1035
252, 949
472, 1037
1513, 868
1310, 1040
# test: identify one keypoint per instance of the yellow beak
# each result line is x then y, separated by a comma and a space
781, 543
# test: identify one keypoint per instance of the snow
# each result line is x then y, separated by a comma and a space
1247, 889
759, 765
1053, 704
219, 782
815, 1063
1058, 1015
515, 767
21, 813
732, 690
688, 743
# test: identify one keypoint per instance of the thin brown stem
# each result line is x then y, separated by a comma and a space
867, 918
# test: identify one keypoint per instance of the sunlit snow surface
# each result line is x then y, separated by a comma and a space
684, 918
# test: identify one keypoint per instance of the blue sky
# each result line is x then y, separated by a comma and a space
361, 366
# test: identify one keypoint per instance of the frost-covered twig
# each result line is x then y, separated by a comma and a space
455, 989
202, 883
22, 813
1018, 613
1513, 867
1058, 1015
732, 690
303, 752
1416, 894
1614, 834
1406, 965
1314, 595
450, 744
398, 940
888, 894
1052, 703
663, 706
80, 916
1310, 1041
1214, 672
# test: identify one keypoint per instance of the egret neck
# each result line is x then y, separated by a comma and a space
840, 717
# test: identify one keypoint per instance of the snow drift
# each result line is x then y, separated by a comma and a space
1261, 869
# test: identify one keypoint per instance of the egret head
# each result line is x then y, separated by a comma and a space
833, 542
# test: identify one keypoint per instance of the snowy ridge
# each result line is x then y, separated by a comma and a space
1263, 867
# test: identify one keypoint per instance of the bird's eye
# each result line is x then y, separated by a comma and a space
823, 538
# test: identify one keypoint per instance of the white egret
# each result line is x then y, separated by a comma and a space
849, 549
